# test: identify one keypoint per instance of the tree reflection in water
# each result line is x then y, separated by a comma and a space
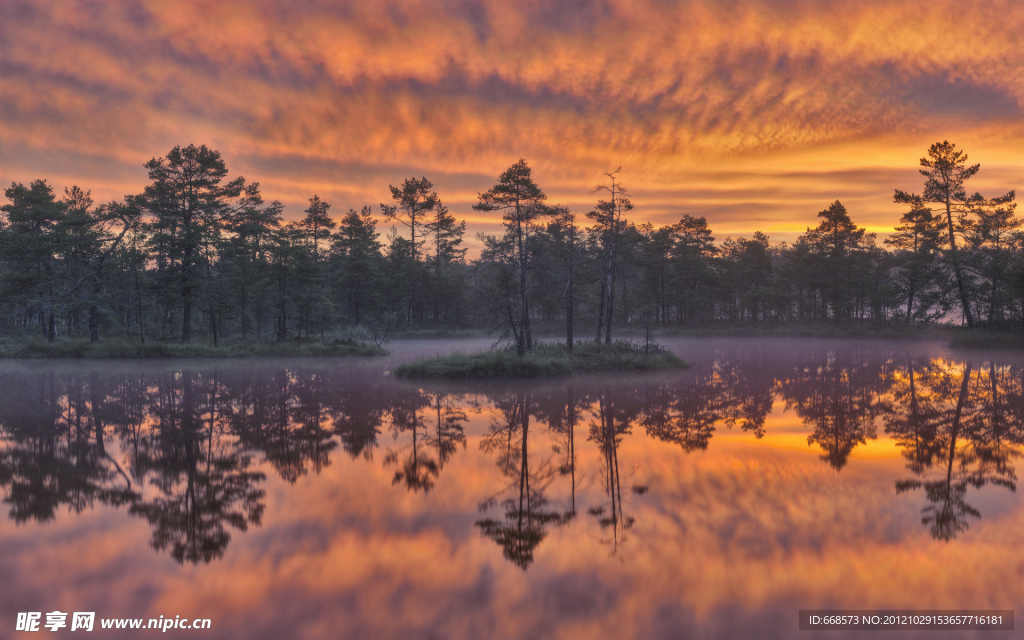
612, 422
447, 434
527, 513
55, 451
182, 448
561, 417
838, 398
420, 469
913, 423
957, 423
187, 450
204, 481
281, 416
685, 415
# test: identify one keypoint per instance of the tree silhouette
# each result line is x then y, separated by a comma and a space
916, 240
977, 443
839, 399
418, 470
526, 511
203, 483
945, 171
56, 454
189, 203
835, 239
413, 202
520, 200
611, 424
31, 240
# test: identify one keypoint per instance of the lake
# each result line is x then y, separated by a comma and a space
325, 498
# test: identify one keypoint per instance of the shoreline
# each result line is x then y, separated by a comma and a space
82, 349
110, 349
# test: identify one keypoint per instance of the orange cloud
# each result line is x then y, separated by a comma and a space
776, 107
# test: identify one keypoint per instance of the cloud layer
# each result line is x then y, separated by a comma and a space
754, 113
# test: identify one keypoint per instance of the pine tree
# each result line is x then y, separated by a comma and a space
945, 171
521, 202
609, 216
188, 203
446, 236
357, 251
317, 223
414, 200
32, 241
916, 240
835, 240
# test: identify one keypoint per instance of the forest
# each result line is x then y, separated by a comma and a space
199, 255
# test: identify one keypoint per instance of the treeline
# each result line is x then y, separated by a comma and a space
197, 254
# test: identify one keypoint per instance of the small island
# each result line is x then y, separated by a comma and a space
546, 360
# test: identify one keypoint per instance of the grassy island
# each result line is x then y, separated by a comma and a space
547, 359
83, 348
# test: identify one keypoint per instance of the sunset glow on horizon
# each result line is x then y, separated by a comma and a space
753, 113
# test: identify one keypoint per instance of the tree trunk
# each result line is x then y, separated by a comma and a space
213, 328
94, 324
610, 283
611, 307
523, 338
282, 324
138, 303
524, 319
568, 305
955, 258
186, 293
186, 321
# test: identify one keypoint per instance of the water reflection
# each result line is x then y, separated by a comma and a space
839, 394
611, 423
527, 512
957, 432
204, 481
281, 415
188, 450
55, 450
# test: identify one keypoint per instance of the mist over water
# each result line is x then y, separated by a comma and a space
325, 498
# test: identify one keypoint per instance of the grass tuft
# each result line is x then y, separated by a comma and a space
547, 359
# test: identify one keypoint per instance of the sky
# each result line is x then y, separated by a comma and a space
756, 114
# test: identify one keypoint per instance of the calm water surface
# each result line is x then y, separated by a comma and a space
325, 498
